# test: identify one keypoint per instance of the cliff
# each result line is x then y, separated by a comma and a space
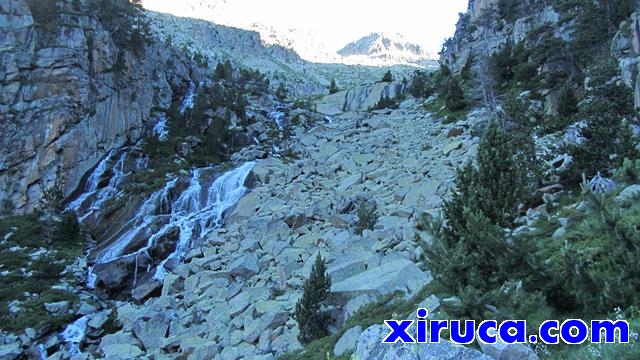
68, 94
560, 39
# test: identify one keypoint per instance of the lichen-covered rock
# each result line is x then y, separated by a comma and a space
370, 347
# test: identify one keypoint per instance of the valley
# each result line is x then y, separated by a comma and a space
167, 182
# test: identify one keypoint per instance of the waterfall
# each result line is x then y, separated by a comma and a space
190, 98
195, 213
74, 333
92, 182
160, 129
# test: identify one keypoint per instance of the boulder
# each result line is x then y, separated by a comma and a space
150, 332
454, 145
370, 346
245, 266
10, 351
57, 308
348, 341
349, 182
503, 351
121, 351
627, 196
400, 274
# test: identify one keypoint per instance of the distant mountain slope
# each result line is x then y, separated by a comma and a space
386, 47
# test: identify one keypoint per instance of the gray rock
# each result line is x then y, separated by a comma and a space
349, 182
503, 351
447, 149
246, 266
10, 351
57, 308
628, 195
151, 332
370, 346
559, 233
99, 319
86, 309
355, 304
348, 341
394, 275
121, 351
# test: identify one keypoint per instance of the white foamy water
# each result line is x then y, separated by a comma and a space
160, 129
74, 333
190, 98
196, 212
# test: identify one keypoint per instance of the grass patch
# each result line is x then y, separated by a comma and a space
29, 278
440, 111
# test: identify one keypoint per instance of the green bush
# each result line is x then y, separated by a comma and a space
607, 136
367, 217
567, 102
126, 21
333, 88
281, 92
312, 321
419, 87
69, 227
470, 254
454, 97
224, 70
384, 103
387, 77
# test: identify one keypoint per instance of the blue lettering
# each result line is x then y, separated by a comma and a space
545, 331
609, 328
436, 327
398, 332
519, 335
483, 332
581, 335
421, 325
469, 328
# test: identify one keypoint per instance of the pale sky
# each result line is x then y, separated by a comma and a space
338, 22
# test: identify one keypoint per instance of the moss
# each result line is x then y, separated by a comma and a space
32, 278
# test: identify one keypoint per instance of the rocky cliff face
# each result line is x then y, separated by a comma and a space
67, 96
489, 25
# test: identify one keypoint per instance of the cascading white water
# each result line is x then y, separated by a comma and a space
160, 129
196, 212
190, 213
92, 182
74, 333
190, 98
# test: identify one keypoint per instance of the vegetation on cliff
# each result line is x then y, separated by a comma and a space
574, 256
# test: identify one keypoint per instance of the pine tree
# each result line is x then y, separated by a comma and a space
454, 97
311, 319
567, 102
333, 88
501, 179
388, 77
281, 92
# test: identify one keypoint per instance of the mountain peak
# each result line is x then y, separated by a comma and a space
383, 44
